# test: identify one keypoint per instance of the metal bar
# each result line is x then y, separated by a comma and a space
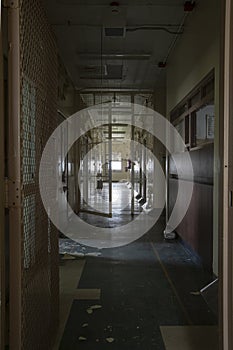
67, 169
2, 211
140, 172
132, 156
77, 168
103, 5
14, 148
110, 157
144, 194
120, 91
62, 114
115, 56
85, 173
167, 167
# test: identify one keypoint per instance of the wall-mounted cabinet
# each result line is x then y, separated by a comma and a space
193, 117
205, 124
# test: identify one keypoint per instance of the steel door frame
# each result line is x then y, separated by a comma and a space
2, 194
227, 188
15, 210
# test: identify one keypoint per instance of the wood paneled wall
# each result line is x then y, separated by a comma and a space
196, 228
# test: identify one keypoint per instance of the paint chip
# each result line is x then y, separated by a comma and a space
110, 340
68, 257
78, 255
82, 338
95, 307
195, 293
93, 254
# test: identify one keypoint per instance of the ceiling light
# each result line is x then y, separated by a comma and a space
115, 7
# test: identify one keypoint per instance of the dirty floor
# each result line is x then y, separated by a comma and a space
134, 297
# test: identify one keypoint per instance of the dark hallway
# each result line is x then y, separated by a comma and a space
116, 180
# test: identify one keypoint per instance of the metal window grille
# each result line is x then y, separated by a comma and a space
34, 314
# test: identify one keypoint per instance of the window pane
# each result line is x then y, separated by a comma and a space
116, 165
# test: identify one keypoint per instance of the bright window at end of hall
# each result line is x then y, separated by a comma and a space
116, 165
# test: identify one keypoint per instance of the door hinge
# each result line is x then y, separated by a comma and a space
230, 199
12, 194
6, 193
13, 4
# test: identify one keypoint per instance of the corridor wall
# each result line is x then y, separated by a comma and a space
198, 52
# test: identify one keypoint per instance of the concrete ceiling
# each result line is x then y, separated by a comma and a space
96, 61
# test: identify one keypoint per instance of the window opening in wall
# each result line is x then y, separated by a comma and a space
116, 165
194, 116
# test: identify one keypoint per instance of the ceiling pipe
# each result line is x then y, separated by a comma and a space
188, 8
131, 29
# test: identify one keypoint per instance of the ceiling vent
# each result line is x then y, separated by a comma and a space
114, 71
89, 71
114, 23
105, 72
117, 32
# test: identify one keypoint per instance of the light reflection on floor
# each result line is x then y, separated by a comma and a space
121, 199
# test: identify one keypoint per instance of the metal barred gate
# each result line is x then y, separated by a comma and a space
34, 277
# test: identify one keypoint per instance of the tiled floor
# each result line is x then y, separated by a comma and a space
144, 285
190, 337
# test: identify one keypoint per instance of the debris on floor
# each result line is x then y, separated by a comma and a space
89, 311
78, 255
93, 254
128, 315
93, 307
68, 257
110, 340
195, 293
71, 256
82, 338
72, 248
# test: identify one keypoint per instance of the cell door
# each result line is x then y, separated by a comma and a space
32, 96
95, 175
